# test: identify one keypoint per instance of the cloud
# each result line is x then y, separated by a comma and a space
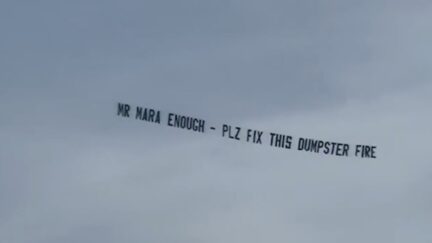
70, 170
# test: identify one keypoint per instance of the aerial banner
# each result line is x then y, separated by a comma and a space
227, 131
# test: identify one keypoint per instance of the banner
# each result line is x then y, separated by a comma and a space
227, 131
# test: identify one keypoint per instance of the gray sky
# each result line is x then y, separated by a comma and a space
352, 71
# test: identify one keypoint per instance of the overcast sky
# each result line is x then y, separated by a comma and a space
339, 70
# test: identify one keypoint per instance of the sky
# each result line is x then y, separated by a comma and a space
71, 170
